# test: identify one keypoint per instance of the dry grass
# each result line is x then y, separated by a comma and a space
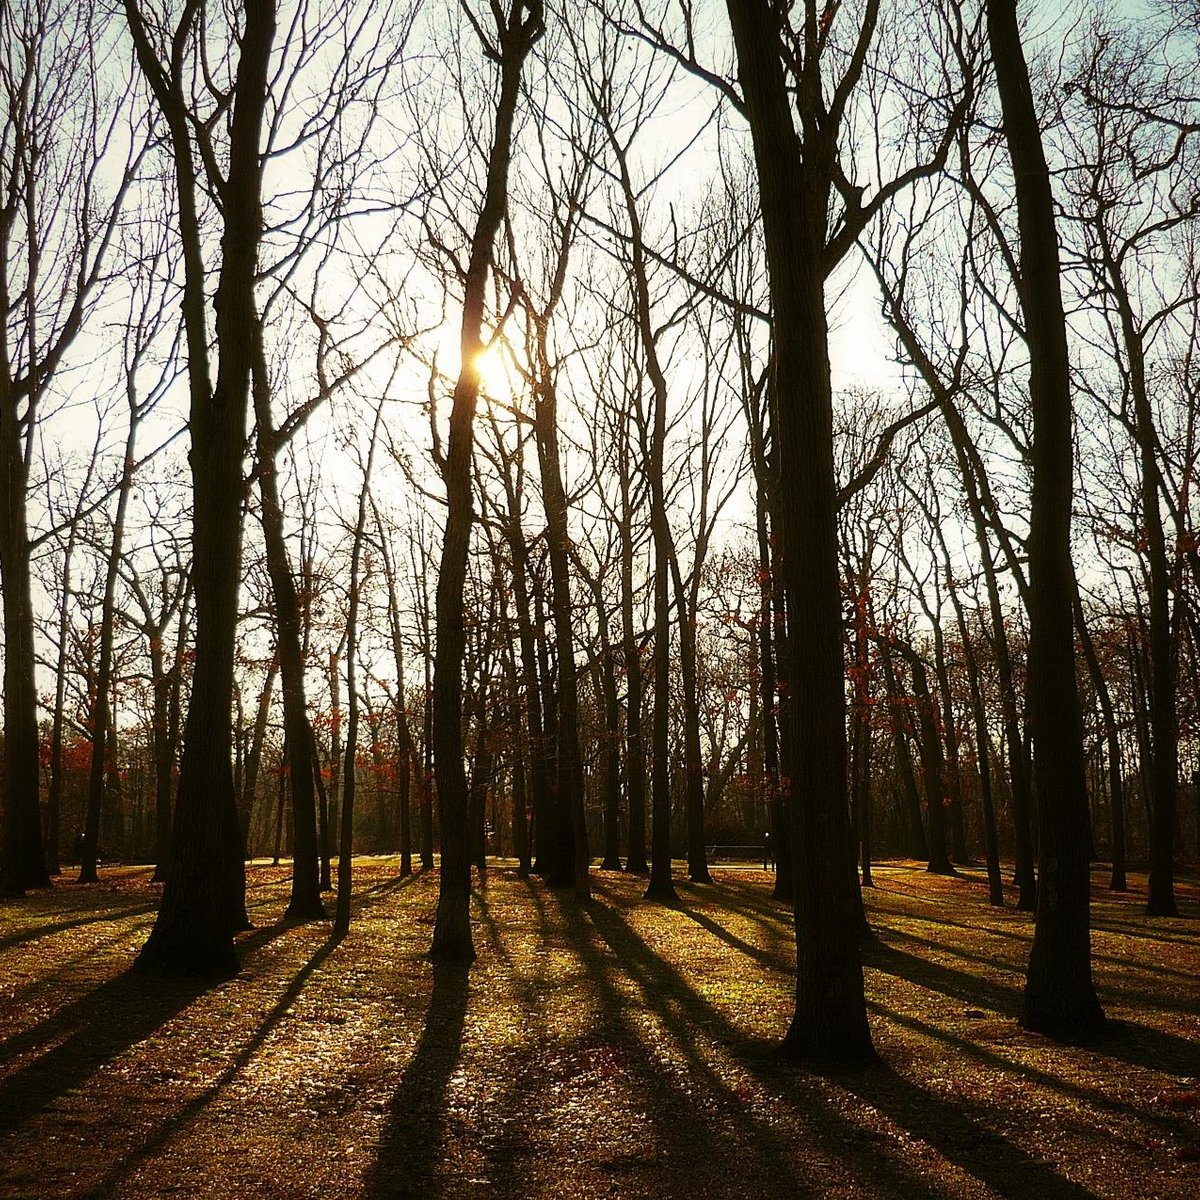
622, 1049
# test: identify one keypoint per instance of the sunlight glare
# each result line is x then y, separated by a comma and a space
495, 374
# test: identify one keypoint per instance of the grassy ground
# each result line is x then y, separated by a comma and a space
622, 1049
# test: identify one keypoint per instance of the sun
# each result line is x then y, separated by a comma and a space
496, 379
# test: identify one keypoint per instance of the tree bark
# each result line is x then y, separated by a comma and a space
203, 899
22, 861
452, 930
1112, 738
635, 756
305, 902
830, 1022
574, 857
1060, 998
100, 709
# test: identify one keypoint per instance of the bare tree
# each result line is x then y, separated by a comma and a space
508, 46
1060, 997
61, 146
204, 896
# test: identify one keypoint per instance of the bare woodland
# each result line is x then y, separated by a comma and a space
603, 436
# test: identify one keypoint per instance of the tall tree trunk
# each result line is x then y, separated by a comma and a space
22, 858
323, 817
1112, 738
305, 902
406, 751
661, 885
345, 872
518, 750
280, 803
335, 737
1060, 998
574, 857
163, 757
860, 763
1018, 764
100, 710
546, 840
693, 764
610, 755
604, 687
932, 763
530, 688
916, 845
204, 899
785, 887
1164, 721
982, 748
531, 692
953, 773
258, 736
830, 1021
54, 797
984, 516
515, 35
635, 756
163, 808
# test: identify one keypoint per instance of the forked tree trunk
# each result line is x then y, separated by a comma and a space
204, 897
661, 885
830, 1021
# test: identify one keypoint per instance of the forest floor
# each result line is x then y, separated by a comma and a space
618, 1049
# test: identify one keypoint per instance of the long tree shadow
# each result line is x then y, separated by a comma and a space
1140, 929
950, 1127
959, 985
699, 1110
94, 1030
1131, 1042
507, 1146
1173, 1124
1024, 936
165, 1132
414, 1137
759, 1158
774, 958
365, 898
1153, 1049
34, 933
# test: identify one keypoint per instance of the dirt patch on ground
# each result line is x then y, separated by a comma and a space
616, 1049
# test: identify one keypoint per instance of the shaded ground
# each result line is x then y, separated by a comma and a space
618, 1050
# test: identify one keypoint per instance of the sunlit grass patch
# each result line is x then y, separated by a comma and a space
615, 1048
